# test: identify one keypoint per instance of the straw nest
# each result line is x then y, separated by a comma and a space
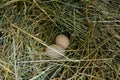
27, 27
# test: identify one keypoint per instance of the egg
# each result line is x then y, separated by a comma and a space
52, 53
62, 40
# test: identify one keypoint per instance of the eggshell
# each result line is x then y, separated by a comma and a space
53, 54
62, 40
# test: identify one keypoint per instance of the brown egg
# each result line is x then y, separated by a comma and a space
63, 41
53, 54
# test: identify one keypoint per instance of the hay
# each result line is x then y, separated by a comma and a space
27, 27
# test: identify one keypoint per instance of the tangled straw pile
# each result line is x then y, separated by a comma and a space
28, 26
